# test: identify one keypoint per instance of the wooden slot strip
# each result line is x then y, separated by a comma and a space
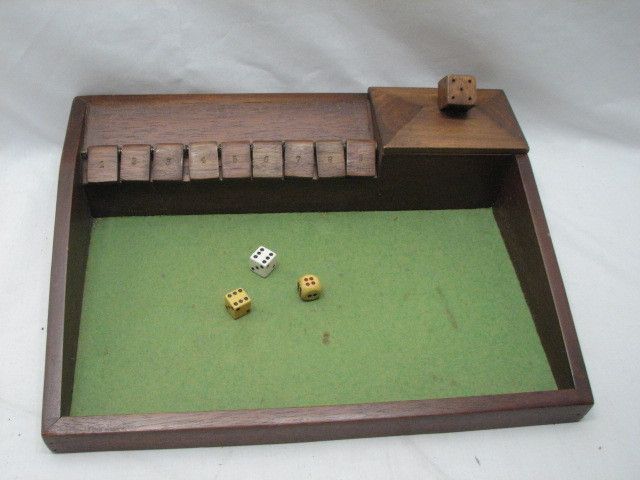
211, 160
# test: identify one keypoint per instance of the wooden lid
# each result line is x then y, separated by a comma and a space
410, 122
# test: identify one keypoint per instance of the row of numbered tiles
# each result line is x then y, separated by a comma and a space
208, 160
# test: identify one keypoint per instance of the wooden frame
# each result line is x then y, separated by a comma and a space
484, 169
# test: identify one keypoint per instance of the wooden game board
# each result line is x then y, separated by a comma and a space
444, 307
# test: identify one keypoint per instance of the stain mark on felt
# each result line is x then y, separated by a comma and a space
477, 460
326, 338
447, 309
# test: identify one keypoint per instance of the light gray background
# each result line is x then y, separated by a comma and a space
570, 70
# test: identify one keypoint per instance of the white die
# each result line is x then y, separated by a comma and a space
263, 261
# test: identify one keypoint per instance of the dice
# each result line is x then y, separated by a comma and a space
309, 287
263, 261
457, 92
237, 303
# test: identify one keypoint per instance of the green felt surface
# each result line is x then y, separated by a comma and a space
417, 304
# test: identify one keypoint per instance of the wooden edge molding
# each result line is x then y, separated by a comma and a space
554, 278
70, 247
520, 217
239, 427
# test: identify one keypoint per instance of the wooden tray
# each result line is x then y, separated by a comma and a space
389, 150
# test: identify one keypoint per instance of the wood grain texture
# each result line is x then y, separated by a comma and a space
267, 159
102, 164
152, 119
240, 427
167, 162
361, 158
235, 160
409, 121
71, 235
457, 91
520, 217
410, 176
330, 161
299, 159
135, 163
436, 182
204, 163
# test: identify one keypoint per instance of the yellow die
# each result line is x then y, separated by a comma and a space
309, 287
237, 303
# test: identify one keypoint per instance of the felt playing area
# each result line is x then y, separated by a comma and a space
416, 305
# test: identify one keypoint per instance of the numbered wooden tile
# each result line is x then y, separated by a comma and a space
267, 159
236, 159
299, 159
361, 158
102, 164
330, 159
167, 162
203, 161
135, 162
